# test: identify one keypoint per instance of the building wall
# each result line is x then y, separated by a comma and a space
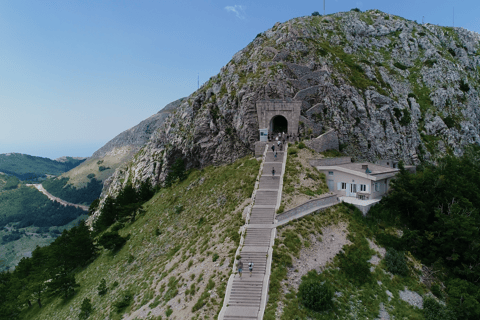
339, 177
327, 141
260, 148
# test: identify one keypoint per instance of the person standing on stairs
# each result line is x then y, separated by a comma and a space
250, 267
240, 267
275, 156
273, 147
273, 172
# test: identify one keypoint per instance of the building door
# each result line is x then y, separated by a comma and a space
330, 184
353, 190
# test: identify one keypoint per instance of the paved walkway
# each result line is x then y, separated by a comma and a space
53, 198
246, 296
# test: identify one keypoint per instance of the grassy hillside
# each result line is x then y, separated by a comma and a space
28, 167
178, 258
100, 169
27, 219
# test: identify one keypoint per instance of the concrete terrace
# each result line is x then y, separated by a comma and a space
246, 296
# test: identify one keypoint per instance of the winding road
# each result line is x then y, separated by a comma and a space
53, 198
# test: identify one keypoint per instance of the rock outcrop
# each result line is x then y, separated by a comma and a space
390, 88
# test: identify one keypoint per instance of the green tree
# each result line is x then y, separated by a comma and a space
112, 240
102, 287
177, 173
86, 309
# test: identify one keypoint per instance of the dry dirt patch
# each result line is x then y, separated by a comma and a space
318, 254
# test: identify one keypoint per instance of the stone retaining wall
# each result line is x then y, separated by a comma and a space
323, 200
260, 148
326, 141
329, 161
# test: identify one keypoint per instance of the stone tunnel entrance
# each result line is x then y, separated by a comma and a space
278, 124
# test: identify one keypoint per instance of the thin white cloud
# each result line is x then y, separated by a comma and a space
238, 10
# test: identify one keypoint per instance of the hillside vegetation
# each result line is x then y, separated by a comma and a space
59, 187
28, 219
176, 259
27, 167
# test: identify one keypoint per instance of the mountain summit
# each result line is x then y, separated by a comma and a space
388, 86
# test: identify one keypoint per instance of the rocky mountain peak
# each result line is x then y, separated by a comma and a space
390, 88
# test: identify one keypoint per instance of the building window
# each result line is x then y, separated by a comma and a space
353, 188
377, 186
330, 173
344, 186
363, 187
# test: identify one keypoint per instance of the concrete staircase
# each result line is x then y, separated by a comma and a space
246, 296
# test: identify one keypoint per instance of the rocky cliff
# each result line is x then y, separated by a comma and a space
390, 88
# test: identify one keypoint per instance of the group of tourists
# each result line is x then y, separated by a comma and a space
240, 267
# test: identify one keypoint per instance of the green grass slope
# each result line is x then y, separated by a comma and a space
25, 166
178, 258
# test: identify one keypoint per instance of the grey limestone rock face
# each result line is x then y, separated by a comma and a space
388, 86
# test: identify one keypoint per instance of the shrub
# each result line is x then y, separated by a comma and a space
436, 290
400, 66
112, 240
412, 95
292, 151
215, 257
353, 261
281, 209
432, 310
301, 145
169, 311
102, 287
103, 168
396, 262
86, 309
356, 10
315, 296
178, 209
449, 121
91, 176
123, 301
452, 52
315, 14
430, 62
464, 86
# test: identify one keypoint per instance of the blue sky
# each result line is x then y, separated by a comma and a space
74, 74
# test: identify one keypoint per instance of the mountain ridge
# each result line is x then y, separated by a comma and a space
389, 87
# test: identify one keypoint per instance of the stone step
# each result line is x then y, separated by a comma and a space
267, 182
267, 169
271, 158
237, 313
261, 221
266, 198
